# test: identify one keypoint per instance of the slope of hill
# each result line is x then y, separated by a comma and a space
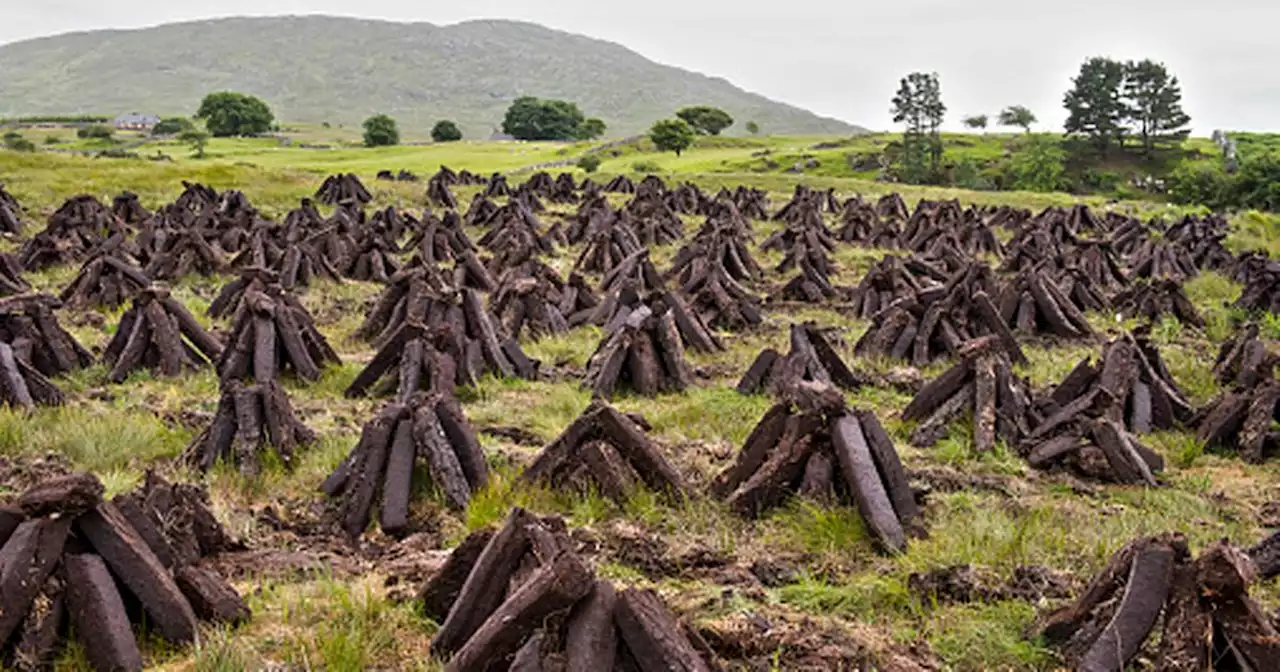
340, 70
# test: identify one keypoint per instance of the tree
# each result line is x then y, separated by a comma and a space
380, 130
706, 120
1095, 104
753, 128
196, 139
591, 129
95, 132
918, 105
171, 126
228, 113
446, 131
589, 163
672, 135
1154, 101
529, 118
1038, 166
977, 121
1017, 115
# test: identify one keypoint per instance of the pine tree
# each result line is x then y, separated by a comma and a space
1096, 105
1155, 104
918, 106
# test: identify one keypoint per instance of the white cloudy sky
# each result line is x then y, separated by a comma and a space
841, 59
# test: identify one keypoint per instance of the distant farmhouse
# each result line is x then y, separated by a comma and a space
136, 122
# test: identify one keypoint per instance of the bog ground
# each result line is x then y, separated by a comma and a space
803, 586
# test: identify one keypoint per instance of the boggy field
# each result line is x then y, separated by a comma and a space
829, 433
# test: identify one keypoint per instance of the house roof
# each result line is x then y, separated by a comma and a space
135, 118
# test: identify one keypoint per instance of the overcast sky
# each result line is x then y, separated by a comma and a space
841, 58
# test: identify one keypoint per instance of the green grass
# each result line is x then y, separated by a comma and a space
335, 622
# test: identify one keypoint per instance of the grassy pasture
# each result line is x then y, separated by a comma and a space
1002, 515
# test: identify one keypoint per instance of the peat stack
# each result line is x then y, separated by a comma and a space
983, 386
812, 358
1209, 623
1098, 261
381, 466
810, 286
891, 206
636, 270
532, 296
11, 280
1033, 303
652, 221
1241, 420
128, 209
419, 298
806, 242
373, 260
107, 279
480, 211
620, 185
1200, 240
1153, 299
722, 241
158, 334
811, 444
1243, 361
81, 558
10, 213
895, 279
940, 320
606, 451
29, 325
514, 228
861, 225
1161, 259
521, 598
1143, 396
343, 189
720, 300
187, 251
608, 243
249, 420
439, 240
72, 232
270, 333
497, 186
1261, 287
621, 303
641, 352
22, 385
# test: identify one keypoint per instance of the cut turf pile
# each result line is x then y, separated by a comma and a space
30, 327
108, 278
813, 357
606, 451
343, 189
521, 598
158, 334
250, 421
380, 469
11, 213
640, 352
810, 444
532, 299
79, 556
1209, 620
74, 230
1155, 299
271, 333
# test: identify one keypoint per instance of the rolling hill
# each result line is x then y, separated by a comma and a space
340, 70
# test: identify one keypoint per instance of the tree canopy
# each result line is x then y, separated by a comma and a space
975, 121
531, 118
918, 105
1017, 115
753, 128
1095, 104
171, 126
380, 131
1154, 101
672, 135
705, 120
446, 130
591, 129
228, 113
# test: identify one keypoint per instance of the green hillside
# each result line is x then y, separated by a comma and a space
339, 70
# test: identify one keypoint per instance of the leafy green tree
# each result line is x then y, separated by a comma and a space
705, 120
529, 118
380, 130
589, 163
753, 128
918, 106
95, 132
672, 135
1017, 115
446, 130
1095, 105
1257, 184
1154, 101
171, 126
196, 139
1039, 165
1201, 184
591, 129
976, 122
228, 113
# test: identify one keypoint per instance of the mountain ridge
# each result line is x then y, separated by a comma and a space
340, 70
